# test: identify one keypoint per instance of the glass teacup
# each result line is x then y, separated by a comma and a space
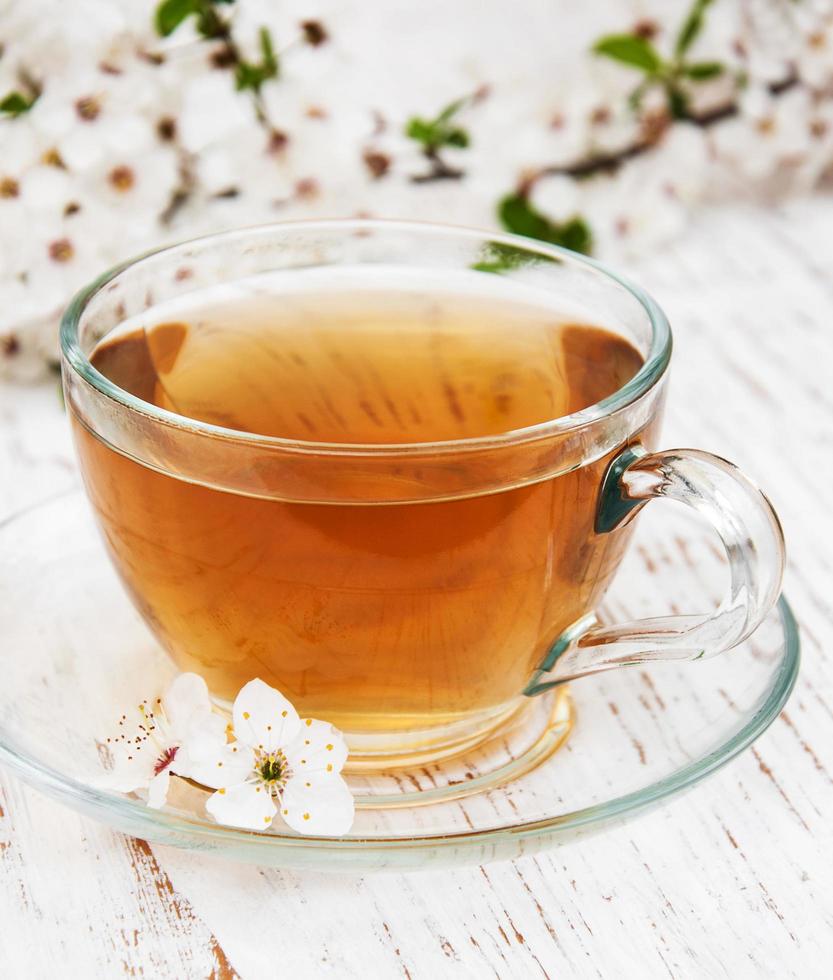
403, 557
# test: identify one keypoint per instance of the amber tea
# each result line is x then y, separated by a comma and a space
378, 616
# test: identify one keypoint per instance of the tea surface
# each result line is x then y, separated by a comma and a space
386, 367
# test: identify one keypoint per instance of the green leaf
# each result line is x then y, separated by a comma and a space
437, 132
576, 235
246, 76
209, 23
419, 130
699, 71
677, 103
171, 13
498, 257
629, 49
518, 215
637, 95
433, 134
249, 75
16, 103
450, 110
456, 137
692, 26
270, 61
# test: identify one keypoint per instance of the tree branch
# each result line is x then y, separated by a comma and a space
609, 163
440, 170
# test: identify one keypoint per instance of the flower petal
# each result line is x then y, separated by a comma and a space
205, 740
223, 765
317, 748
247, 805
263, 718
185, 702
132, 767
158, 789
318, 805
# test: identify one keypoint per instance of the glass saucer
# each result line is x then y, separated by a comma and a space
74, 650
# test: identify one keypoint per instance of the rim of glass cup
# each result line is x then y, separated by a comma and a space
654, 367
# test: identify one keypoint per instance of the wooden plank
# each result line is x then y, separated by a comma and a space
79, 900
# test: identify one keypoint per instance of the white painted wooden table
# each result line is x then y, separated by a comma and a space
733, 880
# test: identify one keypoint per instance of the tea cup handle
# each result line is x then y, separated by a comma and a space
754, 543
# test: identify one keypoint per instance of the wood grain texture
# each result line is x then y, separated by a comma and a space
733, 880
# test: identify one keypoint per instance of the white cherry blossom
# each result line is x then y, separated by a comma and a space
814, 62
212, 111
277, 762
771, 136
155, 737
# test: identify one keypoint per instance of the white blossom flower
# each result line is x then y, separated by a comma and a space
632, 213
156, 737
770, 39
134, 191
67, 39
771, 133
248, 167
46, 189
680, 163
814, 63
212, 111
277, 761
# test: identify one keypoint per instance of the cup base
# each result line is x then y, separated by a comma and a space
375, 752
518, 742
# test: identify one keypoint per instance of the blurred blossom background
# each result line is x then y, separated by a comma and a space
126, 124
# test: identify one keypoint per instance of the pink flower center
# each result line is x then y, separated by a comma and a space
165, 759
